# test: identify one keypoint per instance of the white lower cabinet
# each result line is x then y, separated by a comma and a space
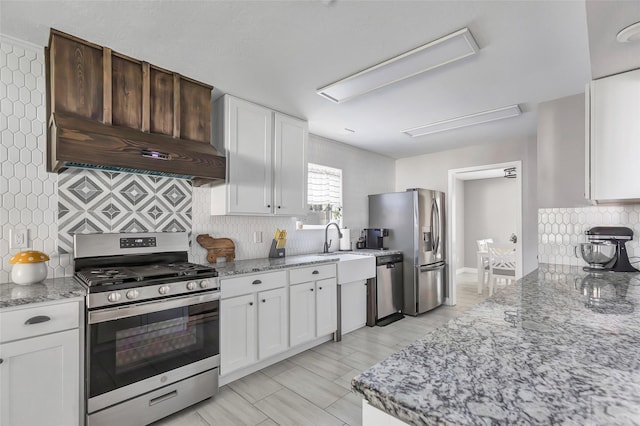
266, 317
238, 333
272, 322
313, 310
253, 319
354, 305
326, 306
40, 375
302, 308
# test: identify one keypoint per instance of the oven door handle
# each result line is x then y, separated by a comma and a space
95, 317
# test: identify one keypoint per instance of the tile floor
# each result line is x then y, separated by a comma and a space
313, 387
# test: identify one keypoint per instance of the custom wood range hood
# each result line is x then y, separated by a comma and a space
109, 111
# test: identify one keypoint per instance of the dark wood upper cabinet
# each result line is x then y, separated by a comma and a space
121, 97
77, 79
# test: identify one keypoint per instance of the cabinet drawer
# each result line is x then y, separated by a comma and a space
37, 320
231, 287
312, 273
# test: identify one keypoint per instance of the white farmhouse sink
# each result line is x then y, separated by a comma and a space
355, 267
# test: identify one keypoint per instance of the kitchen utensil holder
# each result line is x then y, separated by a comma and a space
276, 252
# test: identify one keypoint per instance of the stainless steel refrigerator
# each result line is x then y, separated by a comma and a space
416, 223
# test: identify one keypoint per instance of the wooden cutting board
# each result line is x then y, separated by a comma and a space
217, 247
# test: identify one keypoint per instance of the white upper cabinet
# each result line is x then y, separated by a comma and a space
290, 165
266, 160
613, 138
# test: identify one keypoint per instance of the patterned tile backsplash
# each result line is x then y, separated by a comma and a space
561, 229
92, 201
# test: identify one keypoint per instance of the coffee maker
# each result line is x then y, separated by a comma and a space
614, 236
375, 238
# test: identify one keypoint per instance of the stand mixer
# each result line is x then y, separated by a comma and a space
606, 250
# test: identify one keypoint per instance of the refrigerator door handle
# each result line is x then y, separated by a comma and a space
433, 267
435, 225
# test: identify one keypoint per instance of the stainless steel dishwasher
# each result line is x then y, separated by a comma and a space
389, 296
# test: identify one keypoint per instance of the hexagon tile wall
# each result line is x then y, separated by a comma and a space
28, 192
53, 207
560, 230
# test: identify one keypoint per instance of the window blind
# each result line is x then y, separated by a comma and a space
324, 186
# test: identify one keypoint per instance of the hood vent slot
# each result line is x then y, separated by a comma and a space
112, 112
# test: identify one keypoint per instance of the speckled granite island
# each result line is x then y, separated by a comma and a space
560, 346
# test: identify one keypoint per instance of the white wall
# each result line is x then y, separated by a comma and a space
431, 171
458, 251
490, 211
363, 173
561, 138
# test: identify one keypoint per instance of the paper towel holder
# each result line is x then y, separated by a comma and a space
345, 240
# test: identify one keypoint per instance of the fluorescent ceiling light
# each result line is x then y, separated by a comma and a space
439, 52
467, 120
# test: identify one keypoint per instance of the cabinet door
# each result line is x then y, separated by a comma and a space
615, 132
237, 333
302, 313
272, 322
249, 149
354, 305
40, 380
326, 301
290, 165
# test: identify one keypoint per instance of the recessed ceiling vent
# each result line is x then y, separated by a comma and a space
437, 53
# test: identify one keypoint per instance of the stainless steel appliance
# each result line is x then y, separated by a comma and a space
416, 223
375, 238
152, 334
389, 291
606, 249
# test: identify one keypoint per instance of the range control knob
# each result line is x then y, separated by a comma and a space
114, 297
192, 285
164, 290
132, 294
204, 284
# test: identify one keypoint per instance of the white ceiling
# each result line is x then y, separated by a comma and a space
277, 53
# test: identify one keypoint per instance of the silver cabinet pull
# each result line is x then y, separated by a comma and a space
37, 319
256, 282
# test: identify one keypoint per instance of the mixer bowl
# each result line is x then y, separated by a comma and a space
597, 254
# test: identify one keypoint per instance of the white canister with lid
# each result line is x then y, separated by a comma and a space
29, 267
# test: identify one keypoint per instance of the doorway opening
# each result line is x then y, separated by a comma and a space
458, 272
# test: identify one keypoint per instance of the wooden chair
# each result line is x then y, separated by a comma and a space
502, 263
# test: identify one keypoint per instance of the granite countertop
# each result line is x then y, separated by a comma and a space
12, 295
372, 252
540, 351
252, 266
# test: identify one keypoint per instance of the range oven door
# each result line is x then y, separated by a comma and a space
134, 349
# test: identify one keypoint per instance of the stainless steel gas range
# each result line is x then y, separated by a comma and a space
152, 335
